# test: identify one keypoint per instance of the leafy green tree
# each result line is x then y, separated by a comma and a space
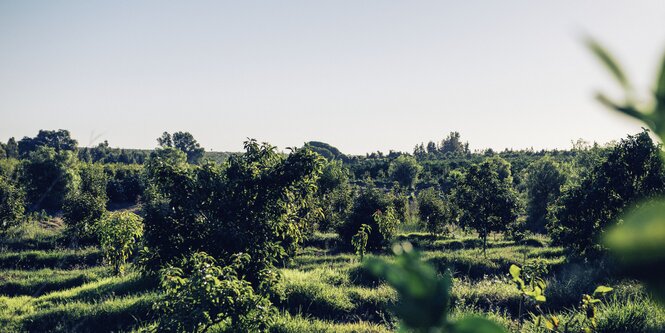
85, 205
11, 148
199, 293
370, 202
59, 140
47, 176
405, 170
486, 198
544, 179
335, 195
119, 234
11, 203
453, 144
631, 172
433, 211
252, 204
185, 142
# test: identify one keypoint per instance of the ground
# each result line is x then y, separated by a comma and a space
45, 286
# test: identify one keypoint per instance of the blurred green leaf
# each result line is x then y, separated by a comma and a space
602, 290
639, 244
476, 325
660, 88
609, 62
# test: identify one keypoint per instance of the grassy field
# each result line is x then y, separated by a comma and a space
46, 286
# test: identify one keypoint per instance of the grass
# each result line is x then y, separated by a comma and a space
47, 288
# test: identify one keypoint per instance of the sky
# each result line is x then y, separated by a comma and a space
361, 75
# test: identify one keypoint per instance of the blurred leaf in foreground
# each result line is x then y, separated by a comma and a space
639, 245
424, 296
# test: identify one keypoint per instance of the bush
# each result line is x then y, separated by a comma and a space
118, 234
371, 207
199, 294
81, 211
48, 175
433, 211
125, 182
11, 204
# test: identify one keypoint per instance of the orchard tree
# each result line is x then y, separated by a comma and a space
59, 140
631, 172
85, 204
11, 203
405, 170
47, 176
11, 148
486, 198
374, 208
335, 195
118, 234
251, 204
453, 144
544, 179
185, 142
433, 211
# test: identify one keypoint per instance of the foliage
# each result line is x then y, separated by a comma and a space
433, 211
47, 176
185, 142
11, 203
639, 241
359, 240
59, 140
486, 198
253, 204
335, 195
85, 205
530, 281
544, 179
119, 233
372, 207
198, 294
405, 170
125, 182
424, 297
631, 172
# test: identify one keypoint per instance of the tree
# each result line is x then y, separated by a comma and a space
371, 201
452, 144
544, 179
47, 176
59, 140
433, 211
251, 204
335, 195
631, 172
199, 293
486, 198
11, 203
85, 204
185, 142
11, 148
405, 170
118, 234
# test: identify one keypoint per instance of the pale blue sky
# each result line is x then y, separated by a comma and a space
361, 75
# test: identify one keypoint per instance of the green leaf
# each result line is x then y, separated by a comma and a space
476, 325
515, 272
660, 87
609, 62
602, 290
541, 298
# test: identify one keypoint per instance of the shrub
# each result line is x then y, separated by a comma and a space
48, 175
11, 204
81, 211
118, 234
198, 294
433, 211
370, 201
